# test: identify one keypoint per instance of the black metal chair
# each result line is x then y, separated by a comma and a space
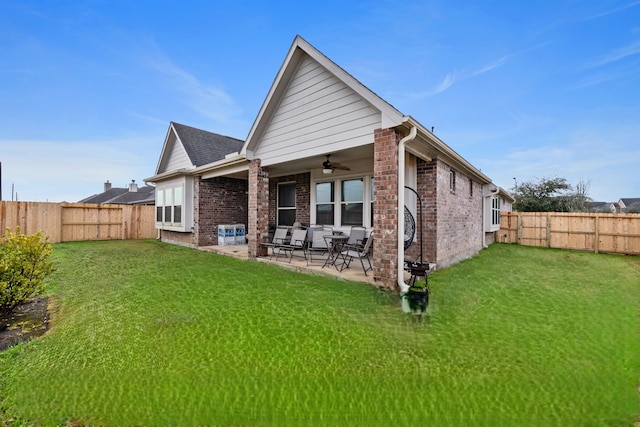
358, 251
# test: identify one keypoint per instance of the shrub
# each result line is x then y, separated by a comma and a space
23, 267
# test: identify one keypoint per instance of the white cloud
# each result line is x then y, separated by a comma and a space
617, 55
205, 99
603, 160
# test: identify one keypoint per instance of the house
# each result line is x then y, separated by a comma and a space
325, 149
629, 205
132, 195
602, 207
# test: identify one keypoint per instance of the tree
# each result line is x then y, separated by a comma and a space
633, 208
551, 195
24, 266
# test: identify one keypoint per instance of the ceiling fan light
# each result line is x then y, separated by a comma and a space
327, 171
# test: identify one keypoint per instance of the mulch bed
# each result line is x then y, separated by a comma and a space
24, 322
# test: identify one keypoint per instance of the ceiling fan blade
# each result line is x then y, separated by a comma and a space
339, 166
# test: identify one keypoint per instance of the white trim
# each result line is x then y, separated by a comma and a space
337, 198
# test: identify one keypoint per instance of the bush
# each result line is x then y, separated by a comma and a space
23, 267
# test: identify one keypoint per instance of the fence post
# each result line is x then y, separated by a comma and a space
548, 230
597, 242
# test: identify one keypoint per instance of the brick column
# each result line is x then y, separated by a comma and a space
258, 223
385, 206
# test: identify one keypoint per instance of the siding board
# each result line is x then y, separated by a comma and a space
316, 112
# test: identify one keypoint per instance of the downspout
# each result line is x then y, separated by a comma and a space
401, 166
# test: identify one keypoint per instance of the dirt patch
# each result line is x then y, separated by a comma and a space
24, 322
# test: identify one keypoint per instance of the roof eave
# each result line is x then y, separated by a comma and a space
444, 151
169, 174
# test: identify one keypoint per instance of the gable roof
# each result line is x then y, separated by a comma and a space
299, 50
205, 147
195, 147
628, 202
426, 146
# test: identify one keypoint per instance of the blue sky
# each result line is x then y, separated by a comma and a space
523, 90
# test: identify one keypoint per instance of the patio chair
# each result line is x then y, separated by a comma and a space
317, 245
359, 251
298, 242
279, 238
356, 236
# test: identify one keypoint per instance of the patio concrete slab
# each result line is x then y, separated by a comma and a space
298, 263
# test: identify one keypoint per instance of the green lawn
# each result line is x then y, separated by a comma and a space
145, 333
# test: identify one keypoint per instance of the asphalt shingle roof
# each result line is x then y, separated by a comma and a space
205, 147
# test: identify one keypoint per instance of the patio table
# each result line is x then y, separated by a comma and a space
335, 242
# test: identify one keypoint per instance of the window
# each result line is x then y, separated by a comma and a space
343, 202
286, 203
371, 198
174, 204
325, 208
159, 204
495, 211
470, 188
452, 180
177, 205
169, 202
352, 202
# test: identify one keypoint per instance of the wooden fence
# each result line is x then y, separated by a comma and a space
65, 222
595, 232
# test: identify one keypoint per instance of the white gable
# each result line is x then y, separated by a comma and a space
173, 156
318, 114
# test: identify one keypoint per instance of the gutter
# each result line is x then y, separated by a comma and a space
401, 173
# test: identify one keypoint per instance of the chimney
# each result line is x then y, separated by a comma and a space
107, 186
133, 187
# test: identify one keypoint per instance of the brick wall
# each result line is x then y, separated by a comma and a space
459, 216
303, 197
217, 201
426, 187
258, 222
177, 238
385, 207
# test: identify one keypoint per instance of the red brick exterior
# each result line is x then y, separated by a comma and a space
258, 224
385, 207
452, 219
303, 197
217, 201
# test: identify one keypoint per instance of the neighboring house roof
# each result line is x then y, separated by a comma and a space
133, 195
628, 202
105, 196
144, 195
596, 205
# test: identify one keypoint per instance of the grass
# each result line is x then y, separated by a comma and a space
146, 333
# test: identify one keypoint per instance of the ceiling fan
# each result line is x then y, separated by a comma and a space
328, 167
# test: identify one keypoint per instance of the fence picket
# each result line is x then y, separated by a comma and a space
64, 222
595, 232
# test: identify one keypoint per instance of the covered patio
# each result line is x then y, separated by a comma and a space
297, 263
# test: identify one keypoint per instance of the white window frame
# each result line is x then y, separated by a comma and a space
287, 208
367, 203
172, 196
493, 204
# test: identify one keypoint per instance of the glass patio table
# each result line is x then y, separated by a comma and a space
335, 243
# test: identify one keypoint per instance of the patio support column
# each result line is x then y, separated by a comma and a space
385, 206
258, 224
